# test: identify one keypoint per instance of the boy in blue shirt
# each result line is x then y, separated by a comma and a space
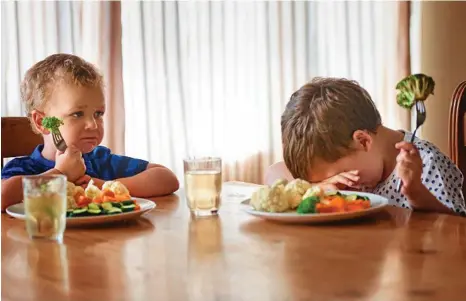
67, 87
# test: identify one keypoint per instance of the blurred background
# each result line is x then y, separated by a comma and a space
190, 78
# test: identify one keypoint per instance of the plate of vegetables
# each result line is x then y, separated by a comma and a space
298, 201
92, 206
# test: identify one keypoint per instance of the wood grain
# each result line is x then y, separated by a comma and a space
457, 129
167, 255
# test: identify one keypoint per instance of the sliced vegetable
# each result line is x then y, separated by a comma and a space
94, 211
79, 211
128, 208
114, 211
127, 202
308, 205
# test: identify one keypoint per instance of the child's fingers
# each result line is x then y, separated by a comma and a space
407, 146
343, 180
350, 176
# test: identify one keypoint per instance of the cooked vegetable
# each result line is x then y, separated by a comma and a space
270, 199
295, 190
52, 124
413, 88
308, 205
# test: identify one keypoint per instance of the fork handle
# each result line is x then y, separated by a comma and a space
398, 184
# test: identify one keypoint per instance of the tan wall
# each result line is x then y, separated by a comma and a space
443, 56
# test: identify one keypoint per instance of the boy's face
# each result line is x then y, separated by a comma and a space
82, 110
365, 158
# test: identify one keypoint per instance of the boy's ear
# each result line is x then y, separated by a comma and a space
363, 140
36, 117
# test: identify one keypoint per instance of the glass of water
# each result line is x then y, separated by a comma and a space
45, 206
203, 184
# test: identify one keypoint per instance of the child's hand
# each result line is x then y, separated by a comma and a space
341, 180
83, 181
409, 168
70, 163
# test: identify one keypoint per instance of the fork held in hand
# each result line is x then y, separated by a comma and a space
420, 119
59, 141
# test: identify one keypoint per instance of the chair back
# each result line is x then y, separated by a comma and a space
18, 139
457, 129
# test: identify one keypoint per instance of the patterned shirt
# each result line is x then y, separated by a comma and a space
100, 163
439, 174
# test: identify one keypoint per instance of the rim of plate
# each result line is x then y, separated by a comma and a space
147, 204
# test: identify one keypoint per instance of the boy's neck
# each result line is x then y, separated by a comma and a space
389, 138
49, 151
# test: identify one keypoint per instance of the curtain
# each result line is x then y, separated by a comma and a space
33, 30
212, 78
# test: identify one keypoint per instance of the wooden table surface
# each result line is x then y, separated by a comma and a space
166, 255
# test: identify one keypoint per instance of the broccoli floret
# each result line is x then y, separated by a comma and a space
52, 123
413, 88
308, 205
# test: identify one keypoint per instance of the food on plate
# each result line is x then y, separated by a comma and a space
114, 198
282, 196
295, 190
271, 199
52, 123
413, 88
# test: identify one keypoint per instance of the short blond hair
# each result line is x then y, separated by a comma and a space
42, 77
320, 119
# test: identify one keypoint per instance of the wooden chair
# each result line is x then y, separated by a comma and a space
457, 129
18, 139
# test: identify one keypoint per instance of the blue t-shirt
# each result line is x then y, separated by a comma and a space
100, 163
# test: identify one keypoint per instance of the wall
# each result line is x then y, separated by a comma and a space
442, 56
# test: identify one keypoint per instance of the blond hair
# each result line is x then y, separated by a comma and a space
40, 80
320, 119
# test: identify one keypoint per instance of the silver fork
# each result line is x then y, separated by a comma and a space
59, 141
420, 119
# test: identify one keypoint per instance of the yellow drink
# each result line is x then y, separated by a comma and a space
45, 206
203, 186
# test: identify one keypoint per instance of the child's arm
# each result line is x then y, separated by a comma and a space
156, 180
12, 189
277, 171
443, 179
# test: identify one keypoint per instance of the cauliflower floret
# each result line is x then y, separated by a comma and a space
116, 187
280, 182
70, 189
270, 199
70, 201
295, 190
315, 190
92, 191
78, 189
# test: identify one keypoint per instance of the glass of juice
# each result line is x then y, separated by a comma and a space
203, 184
45, 206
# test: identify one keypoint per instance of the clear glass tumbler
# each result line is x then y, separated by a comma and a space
45, 206
203, 185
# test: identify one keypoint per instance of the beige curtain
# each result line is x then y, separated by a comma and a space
213, 78
33, 30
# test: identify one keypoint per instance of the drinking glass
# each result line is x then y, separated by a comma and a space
45, 206
203, 184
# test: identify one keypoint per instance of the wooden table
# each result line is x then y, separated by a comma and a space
396, 255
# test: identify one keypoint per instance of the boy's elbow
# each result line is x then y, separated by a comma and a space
176, 185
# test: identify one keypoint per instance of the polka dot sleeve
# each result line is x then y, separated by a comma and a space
443, 179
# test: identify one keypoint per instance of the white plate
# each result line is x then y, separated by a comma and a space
17, 211
378, 203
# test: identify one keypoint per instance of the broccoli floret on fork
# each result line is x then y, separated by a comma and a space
413, 88
52, 124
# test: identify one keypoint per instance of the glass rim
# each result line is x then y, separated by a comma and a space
202, 159
32, 177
